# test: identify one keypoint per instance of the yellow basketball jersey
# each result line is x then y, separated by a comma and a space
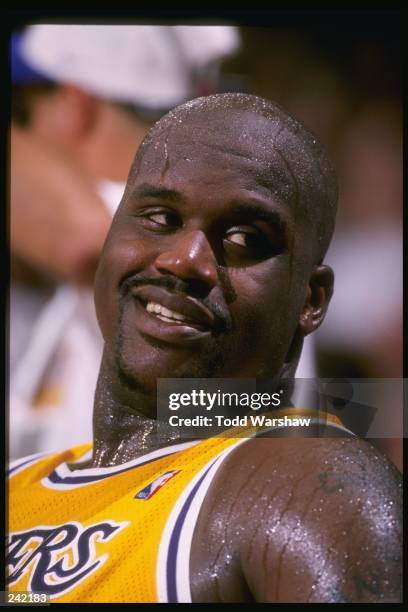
116, 534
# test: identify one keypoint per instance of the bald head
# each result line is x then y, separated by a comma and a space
290, 161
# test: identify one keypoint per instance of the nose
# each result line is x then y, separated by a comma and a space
191, 259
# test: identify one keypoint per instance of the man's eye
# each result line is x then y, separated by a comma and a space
247, 242
242, 238
161, 218
248, 238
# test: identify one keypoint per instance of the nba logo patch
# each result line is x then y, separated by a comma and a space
154, 486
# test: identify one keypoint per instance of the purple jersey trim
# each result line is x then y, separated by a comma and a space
26, 462
175, 538
55, 478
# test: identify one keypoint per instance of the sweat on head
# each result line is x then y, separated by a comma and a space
292, 162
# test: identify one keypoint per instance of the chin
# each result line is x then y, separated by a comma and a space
141, 366
142, 377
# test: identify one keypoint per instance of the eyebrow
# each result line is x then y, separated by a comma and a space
150, 191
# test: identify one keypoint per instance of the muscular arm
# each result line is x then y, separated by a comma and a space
300, 520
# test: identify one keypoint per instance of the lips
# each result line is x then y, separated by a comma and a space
171, 317
192, 311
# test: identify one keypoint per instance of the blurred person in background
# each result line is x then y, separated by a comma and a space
83, 99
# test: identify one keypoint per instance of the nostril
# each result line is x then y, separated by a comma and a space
199, 289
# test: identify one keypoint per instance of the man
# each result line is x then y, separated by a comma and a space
213, 267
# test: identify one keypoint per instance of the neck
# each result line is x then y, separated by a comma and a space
122, 429
124, 422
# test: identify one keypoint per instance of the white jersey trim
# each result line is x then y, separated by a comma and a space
173, 562
62, 478
17, 465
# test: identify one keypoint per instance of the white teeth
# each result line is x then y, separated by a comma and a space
164, 312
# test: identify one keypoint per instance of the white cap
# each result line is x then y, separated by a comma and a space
148, 66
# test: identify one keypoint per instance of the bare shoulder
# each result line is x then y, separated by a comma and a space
306, 519
336, 464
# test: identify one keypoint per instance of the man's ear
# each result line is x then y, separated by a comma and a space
319, 292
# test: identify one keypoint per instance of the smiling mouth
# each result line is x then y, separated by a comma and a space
169, 316
172, 317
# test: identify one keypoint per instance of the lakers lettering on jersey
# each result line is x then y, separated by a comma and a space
115, 534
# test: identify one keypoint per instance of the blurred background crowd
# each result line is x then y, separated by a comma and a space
83, 96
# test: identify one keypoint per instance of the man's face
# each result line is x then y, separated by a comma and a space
206, 266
